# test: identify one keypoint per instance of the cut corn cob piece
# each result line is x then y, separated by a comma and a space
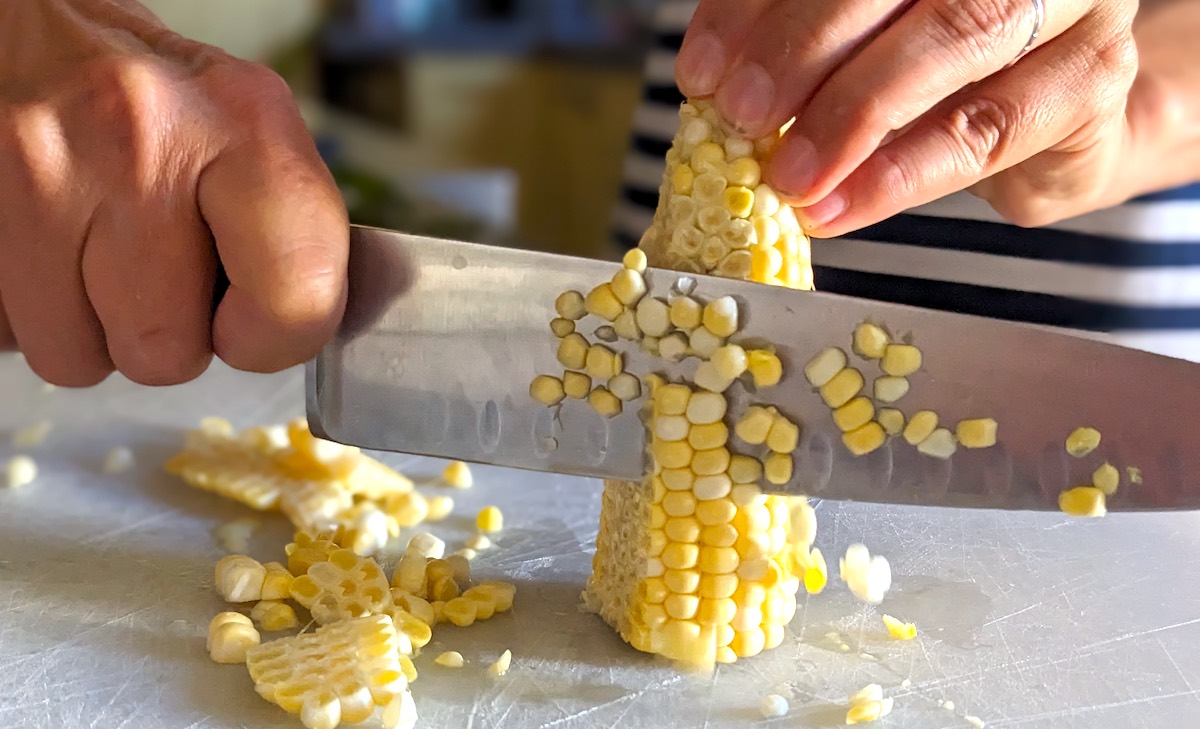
695, 563
1083, 441
340, 673
345, 586
1085, 501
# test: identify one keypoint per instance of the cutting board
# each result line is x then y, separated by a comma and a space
1026, 620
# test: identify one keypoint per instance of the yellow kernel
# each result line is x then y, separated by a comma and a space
1083, 441
722, 534
682, 178
816, 576
712, 488
629, 287
635, 260
502, 664
706, 407
603, 302
602, 363
710, 462
682, 529
547, 390
1086, 501
681, 581
854, 414
891, 419
920, 426
976, 433
778, 468
766, 230
570, 305
681, 607
784, 435
450, 659
765, 367
755, 425
671, 454
679, 504
765, 262
228, 641
672, 399
900, 360
680, 556
573, 351
748, 643
745, 469
605, 403
744, 171
654, 590
678, 479
717, 611
899, 629
562, 327
870, 341
439, 507
708, 157
717, 586
686, 313
576, 385
718, 560
842, 387
1107, 478
273, 616
710, 435
731, 361
739, 201
864, 439
490, 519
461, 611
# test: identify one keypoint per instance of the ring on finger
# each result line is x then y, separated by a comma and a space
1039, 20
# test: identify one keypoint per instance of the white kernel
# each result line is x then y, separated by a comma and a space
501, 666
450, 659
479, 542
653, 317
424, 544
20, 471
673, 347
821, 368
708, 377
705, 407
773, 705
703, 343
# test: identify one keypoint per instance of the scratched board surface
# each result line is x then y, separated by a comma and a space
1027, 620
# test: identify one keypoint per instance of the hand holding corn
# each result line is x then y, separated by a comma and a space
134, 163
898, 103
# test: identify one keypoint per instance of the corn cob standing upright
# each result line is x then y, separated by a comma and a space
695, 563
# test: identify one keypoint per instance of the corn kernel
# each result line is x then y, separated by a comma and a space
708, 157
679, 503
744, 171
673, 347
816, 576
20, 471
240, 578
576, 385
570, 305
602, 363
461, 611
745, 469
739, 201
671, 454
870, 341
755, 425
920, 426
625, 386
635, 260
273, 616
561, 327
603, 302
501, 666
682, 178
1083, 441
685, 530
864, 439
900, 360
731, 361
605, 403
1085, 501
625, 326
842, 387
439, 507
976, 433
680, 556
228, 641
890, 389
704, 344
628, 286
710, 488
710, 462
891, 419
778, 468
653, 317
711, 435
765, 368
705, 407
941, 443
765, 262
573, 351
1107, 478
221, 619
718, 560
784, 435
708, 378
681, 607
721, 316
823, 367
457, 474
547, 390
450, 659
490, 519
686, 313
899, 629
672, 399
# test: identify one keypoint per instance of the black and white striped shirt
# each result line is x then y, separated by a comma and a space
1132, 271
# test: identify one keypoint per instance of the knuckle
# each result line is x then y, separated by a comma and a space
157, 355
974, 25
1118, 61
979, 132
313, 293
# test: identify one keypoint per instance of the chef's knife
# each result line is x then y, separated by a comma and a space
442, 338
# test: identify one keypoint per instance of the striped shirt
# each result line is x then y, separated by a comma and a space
1131, 272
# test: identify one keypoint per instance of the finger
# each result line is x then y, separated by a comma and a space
933, 50
283, 238
792, 50
8, 342
47, 308
1003, 121
148, 269
717, 30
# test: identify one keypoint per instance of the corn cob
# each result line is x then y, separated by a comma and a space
695, 563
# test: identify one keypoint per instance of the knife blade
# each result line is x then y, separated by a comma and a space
442, 338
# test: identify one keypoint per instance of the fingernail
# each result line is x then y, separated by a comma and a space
824, 212
746, 98
794, 166
700, 65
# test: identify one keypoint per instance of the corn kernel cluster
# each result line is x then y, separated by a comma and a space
1091, 500
868, 704
866, 421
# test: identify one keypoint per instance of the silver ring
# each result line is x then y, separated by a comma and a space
1039, 19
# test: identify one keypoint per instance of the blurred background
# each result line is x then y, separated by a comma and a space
501, 121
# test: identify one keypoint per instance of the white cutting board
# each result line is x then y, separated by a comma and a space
1027, 620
